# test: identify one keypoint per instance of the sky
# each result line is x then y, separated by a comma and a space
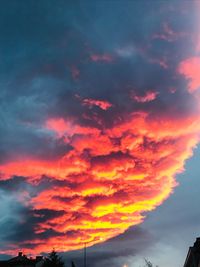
99, 130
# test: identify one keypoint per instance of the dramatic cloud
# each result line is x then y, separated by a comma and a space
93, 141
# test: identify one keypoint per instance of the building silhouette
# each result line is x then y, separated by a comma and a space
193, 256
23, 261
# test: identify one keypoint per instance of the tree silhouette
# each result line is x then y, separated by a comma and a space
148, 263
53, 260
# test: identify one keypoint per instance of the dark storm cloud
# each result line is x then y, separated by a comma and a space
14, 184
18, 222
49, 47
26, 228
19, 184
132, 242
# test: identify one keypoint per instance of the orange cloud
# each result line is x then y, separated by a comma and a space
109, 178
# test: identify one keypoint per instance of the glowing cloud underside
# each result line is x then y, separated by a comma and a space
121, 160
110, 184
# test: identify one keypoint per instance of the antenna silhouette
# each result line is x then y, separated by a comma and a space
84, 254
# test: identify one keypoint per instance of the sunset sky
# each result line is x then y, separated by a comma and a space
99, 129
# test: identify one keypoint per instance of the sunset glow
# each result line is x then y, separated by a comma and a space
99, 143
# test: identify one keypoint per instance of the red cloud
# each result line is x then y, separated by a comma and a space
99, 103
103, 104
109, 184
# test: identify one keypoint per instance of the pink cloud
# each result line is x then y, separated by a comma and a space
190, 68
149, 96
75, 72
168, 34
101, 57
